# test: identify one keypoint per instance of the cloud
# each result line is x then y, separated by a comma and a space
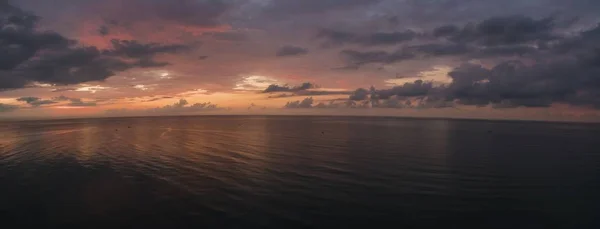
317, 93
28, 99
568, 78
289, 50
508, 36
103, 30
35, 101
338, 38
514, 83
276, 88
61, 98
309, 93
506, 50
306, 103
329, 105
153, 99
137, 50
28, 55
306, 89
354, 58
359, 94
70, 66
277, 96
417, 88
392, 102
182, 106
7, 107
63, 89
438, 49
508, 30
75, 102
287, 8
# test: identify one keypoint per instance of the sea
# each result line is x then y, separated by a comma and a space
298, 172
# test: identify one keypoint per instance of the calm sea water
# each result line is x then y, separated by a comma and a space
298, 172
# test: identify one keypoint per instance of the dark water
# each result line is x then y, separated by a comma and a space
298, 172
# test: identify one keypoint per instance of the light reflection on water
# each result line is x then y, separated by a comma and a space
299, 172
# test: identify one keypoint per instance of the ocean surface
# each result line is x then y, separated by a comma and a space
298, 172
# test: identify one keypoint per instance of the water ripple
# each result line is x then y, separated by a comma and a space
288, 172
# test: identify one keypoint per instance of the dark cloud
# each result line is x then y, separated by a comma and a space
202, 57
568, 74
508, 30
135, 49
392, 102
329, 105
103, 30
309, 93
61, 98
277, 96
63, 89
507, 50
415, 89
570, 78
19, 42
6, 107
28, 99
182, 106
355, 58
287, 8
317, 93
446, 31
153, 99
71, 66
337, 38
438, 49
35, 101
276, 88
509, 36
359, 94
290, 50
513, 84
28, 55
419, 94
306, 103
75, 102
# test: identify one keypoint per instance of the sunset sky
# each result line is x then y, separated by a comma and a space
518, 59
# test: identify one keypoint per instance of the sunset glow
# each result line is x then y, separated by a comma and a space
376, 55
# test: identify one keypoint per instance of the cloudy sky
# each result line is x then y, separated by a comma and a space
467, 58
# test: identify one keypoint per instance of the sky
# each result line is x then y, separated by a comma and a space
514, 59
